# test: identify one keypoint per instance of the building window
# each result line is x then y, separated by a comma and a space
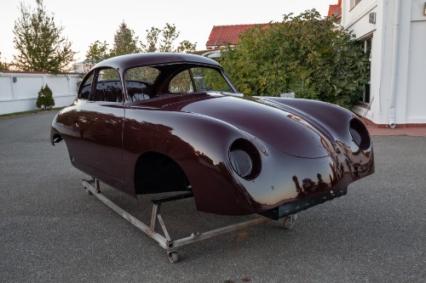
367, 44
354, 3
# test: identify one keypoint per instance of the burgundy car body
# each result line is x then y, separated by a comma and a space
303, 152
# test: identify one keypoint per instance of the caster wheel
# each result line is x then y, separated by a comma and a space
89, 193
173, 257
288, 222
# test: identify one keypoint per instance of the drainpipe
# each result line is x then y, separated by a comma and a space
395, 71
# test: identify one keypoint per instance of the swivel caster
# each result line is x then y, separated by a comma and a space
89, 193
173, 257
288, 222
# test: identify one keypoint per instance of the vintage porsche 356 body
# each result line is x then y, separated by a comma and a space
162, 122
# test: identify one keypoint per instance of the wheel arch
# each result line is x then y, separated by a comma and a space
156, 172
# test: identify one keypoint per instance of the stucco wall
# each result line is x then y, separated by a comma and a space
416, 89
398, 66
18, 91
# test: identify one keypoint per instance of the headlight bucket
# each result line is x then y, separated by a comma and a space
359, 134
245, 159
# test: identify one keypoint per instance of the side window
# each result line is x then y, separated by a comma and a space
108, 86
139, 82
181, 83
86, 87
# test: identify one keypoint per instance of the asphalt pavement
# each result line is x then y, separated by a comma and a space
52, 231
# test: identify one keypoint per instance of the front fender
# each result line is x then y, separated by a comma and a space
332, 119
199, 145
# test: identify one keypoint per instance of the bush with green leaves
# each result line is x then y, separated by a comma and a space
45, 98
305, 54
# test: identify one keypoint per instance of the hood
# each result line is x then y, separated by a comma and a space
285, 131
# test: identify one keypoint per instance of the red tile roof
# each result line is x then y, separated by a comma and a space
335, 10
228, 34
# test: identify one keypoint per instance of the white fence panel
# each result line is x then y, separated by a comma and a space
5, 89
18, 91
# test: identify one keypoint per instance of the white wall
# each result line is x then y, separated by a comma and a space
357, 21
398, 71
416, 90
20, 95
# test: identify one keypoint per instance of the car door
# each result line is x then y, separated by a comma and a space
72, 121
101, 124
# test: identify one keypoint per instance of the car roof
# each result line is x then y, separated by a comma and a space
140, 59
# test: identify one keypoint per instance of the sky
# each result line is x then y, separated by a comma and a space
85, 21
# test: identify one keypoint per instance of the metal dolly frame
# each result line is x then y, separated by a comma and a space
164, 240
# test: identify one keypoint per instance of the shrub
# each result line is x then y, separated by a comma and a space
45, 98
306, 54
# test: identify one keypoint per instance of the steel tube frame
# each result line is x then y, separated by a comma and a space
165, 241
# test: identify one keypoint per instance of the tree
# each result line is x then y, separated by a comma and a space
39, 41
169, 35
186, 46
97, 52
306, 54
3, 65
125, 41
152, 37
45, 98
164, 40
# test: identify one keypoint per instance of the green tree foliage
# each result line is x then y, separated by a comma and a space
3, 65
306, 54
45, 98
125, 41
164, 40
152, 38
39, 41
169, 35
186, 46
97, 52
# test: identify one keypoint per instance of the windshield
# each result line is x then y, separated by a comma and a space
157, 81
199, 79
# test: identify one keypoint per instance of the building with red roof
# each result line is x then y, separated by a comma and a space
224, 35
335, 10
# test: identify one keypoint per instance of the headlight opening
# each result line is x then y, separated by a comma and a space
245, 159
359, 134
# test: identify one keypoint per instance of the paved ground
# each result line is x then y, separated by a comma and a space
51, 231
